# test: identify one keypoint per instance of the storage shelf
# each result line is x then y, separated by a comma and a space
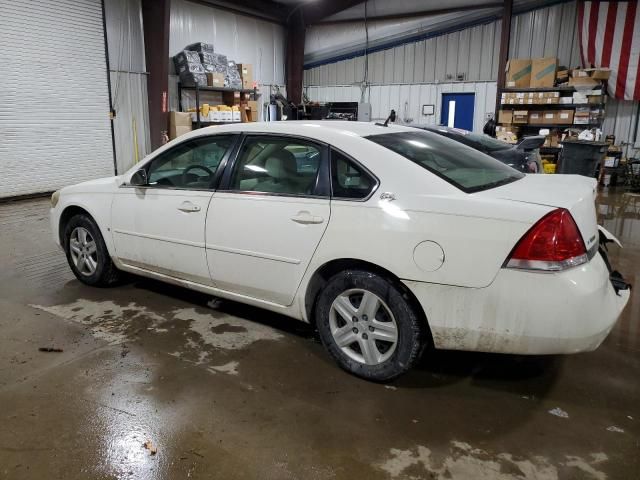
524, 106
553, 125
218, 89
538, 89
207, 122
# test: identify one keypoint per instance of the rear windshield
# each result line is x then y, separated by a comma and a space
486, 141
466, 168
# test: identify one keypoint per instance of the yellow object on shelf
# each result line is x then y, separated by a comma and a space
549, 168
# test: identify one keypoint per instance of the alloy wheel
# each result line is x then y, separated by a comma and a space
363, 326
82, 248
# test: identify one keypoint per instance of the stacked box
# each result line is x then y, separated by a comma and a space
564, 117
189, 68
200, 47
233, 75
187, 61
246, 74
543, 72
191, 79
520, 116
582, 116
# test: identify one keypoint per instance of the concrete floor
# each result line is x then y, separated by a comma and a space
237, 392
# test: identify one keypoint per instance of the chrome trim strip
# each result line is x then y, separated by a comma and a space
249, 253
158, 237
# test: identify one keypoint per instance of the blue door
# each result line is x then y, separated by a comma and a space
457, 110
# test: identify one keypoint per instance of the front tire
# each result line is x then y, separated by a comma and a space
368, 325
87, 253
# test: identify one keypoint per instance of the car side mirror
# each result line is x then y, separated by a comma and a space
139, 179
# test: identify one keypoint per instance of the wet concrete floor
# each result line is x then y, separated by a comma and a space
226, 391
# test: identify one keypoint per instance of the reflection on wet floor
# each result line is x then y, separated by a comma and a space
619, 212
224, 390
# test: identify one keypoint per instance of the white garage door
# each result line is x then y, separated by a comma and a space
54, 104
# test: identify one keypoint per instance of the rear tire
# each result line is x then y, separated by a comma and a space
87, 253
384, 336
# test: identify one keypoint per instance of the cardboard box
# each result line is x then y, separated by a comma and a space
253, 108
543, 72
505, 116
231, 98
600, 73
246, 74
595, 73
564, 117
518, 72
179, 123
548, 117
535, 118
562, 76
520, 116
215, 79
583, 82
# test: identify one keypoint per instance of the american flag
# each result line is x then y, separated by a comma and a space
610, 38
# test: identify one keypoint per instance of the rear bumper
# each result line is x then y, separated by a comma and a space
525, 312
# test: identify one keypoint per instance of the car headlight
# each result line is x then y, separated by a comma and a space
54, 198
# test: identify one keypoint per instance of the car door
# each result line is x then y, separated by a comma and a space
160, 226
267, 218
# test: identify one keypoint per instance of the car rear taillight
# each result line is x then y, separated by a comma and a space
554, 243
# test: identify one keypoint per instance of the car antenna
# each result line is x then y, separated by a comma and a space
392, 117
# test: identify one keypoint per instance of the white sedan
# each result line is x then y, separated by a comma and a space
387, 239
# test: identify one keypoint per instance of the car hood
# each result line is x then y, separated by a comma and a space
573, 192
99, 184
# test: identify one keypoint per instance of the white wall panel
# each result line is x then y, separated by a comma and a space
54, 104
621, 120
128, 81
241, 38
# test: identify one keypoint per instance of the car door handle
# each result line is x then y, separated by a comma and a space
189, 207
305, 218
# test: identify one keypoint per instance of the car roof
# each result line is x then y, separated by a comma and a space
311, 128
444, 129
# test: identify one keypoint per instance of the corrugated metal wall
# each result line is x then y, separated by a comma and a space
407, 99
128, 81
431, 67
471, 52
622, 120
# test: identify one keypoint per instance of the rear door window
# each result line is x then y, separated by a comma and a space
348, 179
280, 165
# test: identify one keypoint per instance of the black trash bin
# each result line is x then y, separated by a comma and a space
581, 157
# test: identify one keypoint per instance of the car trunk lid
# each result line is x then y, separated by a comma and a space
573, 192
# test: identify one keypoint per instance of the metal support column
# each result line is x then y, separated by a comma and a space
504, 50
155, 18
295, 56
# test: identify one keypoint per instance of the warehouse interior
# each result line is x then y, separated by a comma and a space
157, 381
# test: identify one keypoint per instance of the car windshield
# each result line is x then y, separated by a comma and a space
466, 168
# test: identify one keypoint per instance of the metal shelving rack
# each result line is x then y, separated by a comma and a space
551, 106
198, 89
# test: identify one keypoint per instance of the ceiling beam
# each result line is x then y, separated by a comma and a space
315, 11
407, 15
263, 9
